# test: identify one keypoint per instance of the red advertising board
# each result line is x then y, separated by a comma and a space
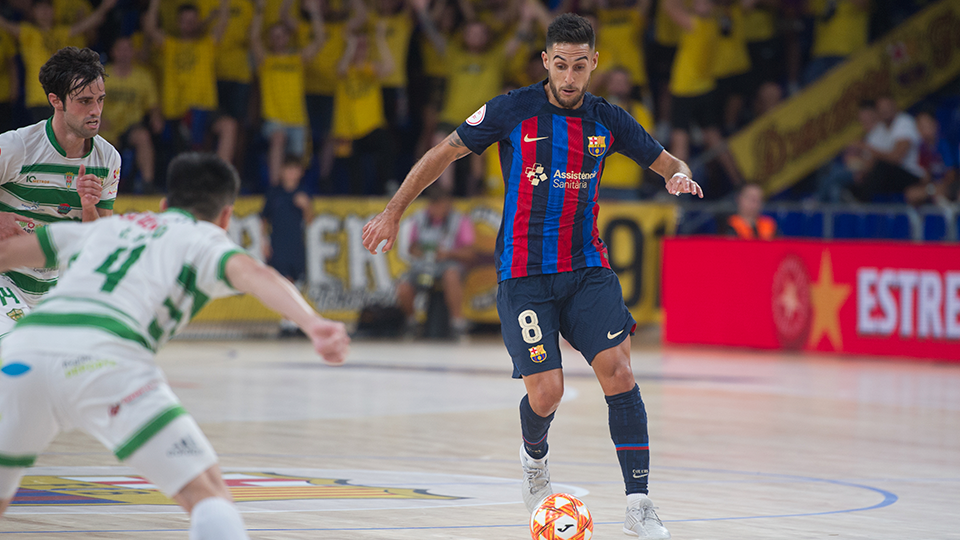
875, 298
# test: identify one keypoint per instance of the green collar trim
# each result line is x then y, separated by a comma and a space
52, 137
181, 211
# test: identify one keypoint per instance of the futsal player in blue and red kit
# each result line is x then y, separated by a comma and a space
553, 268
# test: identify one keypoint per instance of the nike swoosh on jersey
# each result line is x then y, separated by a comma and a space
611, 336
526, 138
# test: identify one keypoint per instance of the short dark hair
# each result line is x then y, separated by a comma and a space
202, 184
69, 71
187, 7
570, 28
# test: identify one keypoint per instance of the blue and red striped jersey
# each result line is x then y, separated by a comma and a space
552, 160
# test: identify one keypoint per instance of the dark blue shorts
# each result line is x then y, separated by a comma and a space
584, 306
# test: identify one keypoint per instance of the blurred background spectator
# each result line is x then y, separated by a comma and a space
441, 245
749, 223
389, 77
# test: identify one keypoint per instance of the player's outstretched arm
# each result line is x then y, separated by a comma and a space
248, 275
20, 251
386, 224
677, 175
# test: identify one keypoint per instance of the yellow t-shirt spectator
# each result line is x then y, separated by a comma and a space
434, 63
620, 41
189, 80
271, 12
666, 31
68, 12
169, 8
841, 28
492, 174
693, 66
281, 89
131, 97
473, 79
8, 50
36, 47
321, 71
399, 30
759, 24
358, 103
731, 57
619, 171
233, 51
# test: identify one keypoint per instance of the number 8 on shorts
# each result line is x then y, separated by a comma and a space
530, 326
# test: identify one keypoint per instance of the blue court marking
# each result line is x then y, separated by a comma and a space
888, 499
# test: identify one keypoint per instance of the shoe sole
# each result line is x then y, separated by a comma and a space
631, 533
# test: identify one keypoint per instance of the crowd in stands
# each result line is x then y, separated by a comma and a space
357, 90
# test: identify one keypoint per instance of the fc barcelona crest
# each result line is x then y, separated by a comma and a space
538, 354
597, 145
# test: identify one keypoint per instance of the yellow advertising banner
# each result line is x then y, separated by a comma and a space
915, 59
342, 277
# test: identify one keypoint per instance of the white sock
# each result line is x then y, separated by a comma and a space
216, 519
633, 499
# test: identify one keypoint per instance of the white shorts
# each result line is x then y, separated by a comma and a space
125, 404
13, 304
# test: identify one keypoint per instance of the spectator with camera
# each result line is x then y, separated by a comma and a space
441, 245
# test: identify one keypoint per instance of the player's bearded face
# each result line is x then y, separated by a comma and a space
570, 67
82, 109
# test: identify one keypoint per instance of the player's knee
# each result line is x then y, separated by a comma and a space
545, 403
545, 396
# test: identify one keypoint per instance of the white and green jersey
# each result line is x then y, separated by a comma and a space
38, 181
128, 284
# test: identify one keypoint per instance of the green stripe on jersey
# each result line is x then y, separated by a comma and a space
52, 196
55, 300
36, 216
16, 461
30, 284
222, 267
56, 168
46, 244
106, 204
188, 279
88, 320
145, 433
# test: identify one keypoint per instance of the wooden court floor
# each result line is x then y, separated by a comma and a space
419, 440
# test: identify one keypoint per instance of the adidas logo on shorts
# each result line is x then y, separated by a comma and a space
184, 447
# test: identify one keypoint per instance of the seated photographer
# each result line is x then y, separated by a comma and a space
441, 244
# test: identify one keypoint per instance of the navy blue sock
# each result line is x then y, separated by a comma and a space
534, 429
628, 429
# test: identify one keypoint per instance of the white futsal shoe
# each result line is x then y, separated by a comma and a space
642, 520
536, 479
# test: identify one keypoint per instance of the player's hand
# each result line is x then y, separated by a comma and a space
89, 187
680, 183
9, 226
382, 227
330, 340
